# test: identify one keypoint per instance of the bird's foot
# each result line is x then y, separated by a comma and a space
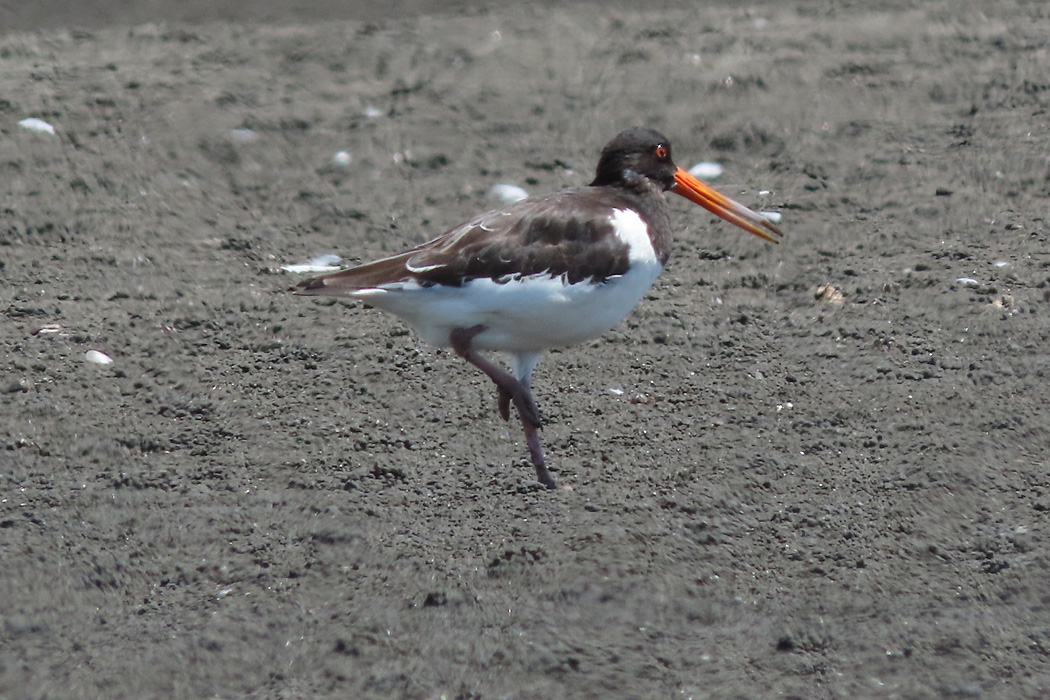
544, 477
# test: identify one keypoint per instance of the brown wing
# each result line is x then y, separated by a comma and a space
567, 233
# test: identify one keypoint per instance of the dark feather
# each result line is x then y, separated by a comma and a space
567, 233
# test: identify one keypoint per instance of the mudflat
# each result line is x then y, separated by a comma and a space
813, 470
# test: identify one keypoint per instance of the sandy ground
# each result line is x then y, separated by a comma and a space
813, 470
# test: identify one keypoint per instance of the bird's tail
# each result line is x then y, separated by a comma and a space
369, 276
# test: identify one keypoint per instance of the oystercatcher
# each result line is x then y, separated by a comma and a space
545, 272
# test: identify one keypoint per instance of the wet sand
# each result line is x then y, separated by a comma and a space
812, 470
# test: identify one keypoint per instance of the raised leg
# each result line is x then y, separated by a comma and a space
510, 389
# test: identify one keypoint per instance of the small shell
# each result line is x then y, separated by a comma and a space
39, 125
706, 170
342, 158
327, 260
772, 216
830, 295
322, 263
98, 358
507, 193
244, 135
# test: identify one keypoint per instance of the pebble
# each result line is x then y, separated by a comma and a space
342, 158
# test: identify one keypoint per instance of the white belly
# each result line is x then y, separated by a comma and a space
524, 315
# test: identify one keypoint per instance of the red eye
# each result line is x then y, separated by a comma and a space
661, 152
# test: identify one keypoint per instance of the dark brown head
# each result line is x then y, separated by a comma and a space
636, 152
640, 158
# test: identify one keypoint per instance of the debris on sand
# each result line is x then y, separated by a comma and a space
98, 358
830, 295
507, 193
38, 125
322, 263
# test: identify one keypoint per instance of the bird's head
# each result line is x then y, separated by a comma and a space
639, 158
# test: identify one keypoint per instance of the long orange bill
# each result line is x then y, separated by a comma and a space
723, 207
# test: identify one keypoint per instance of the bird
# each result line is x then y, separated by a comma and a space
545, 272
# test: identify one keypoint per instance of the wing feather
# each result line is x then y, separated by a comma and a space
568, 234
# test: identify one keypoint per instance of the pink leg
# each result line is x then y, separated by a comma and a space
532, 439
510, 389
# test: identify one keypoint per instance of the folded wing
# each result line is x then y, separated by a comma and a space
575, 239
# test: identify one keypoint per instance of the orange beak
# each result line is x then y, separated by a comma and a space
723, 207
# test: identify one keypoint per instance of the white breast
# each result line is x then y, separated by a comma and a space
632, 230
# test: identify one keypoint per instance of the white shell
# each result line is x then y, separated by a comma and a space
244, 135
507, 193
98, 358
322, 263
39, 125
706, 170
342, 158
